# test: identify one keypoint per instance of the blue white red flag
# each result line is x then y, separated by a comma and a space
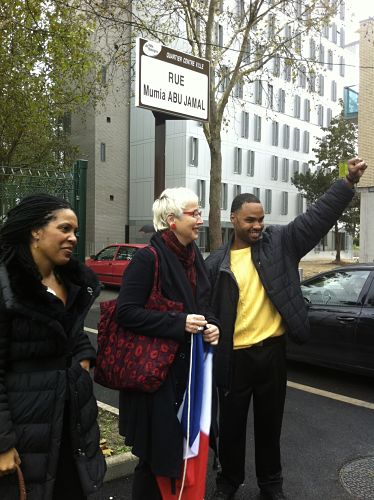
195, 417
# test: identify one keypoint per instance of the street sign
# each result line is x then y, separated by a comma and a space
171, 82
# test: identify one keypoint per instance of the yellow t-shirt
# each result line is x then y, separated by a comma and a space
256, 317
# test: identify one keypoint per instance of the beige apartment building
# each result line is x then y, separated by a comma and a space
366, 138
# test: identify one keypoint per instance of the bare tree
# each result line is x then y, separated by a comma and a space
243, 40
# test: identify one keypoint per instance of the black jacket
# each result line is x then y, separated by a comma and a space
276, 257
40, 350
149, 421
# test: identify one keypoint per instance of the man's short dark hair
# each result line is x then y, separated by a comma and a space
240, 199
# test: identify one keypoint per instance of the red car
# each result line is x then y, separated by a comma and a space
110, 263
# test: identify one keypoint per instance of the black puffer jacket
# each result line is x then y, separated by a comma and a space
276, 257
40, 351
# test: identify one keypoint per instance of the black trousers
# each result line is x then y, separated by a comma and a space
144, 485
259, 371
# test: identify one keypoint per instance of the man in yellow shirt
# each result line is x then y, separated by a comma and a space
257, 298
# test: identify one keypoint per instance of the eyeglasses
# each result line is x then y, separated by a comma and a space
194, 213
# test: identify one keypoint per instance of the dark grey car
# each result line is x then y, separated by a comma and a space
341, 314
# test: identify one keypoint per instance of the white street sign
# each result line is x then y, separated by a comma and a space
171, 81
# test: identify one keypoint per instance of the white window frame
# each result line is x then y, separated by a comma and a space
268, 201
251, 163
274, 168
238, 160
284, 208
285, 170
257, 128
194, 152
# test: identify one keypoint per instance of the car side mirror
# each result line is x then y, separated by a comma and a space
93, 257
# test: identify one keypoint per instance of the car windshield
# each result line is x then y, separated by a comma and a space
336, 288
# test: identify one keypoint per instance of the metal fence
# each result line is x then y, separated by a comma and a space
18, 182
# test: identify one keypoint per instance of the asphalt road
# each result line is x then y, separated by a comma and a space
328, 424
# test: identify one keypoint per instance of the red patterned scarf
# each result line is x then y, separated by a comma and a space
186, 255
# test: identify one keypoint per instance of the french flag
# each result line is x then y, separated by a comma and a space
195, 417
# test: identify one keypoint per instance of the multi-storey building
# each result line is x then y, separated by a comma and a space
270, 129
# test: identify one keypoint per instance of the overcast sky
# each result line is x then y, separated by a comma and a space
357, 10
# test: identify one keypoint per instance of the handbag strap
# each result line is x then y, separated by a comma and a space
156, 280
21, 483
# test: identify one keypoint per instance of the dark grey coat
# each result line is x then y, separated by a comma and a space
276, 257
37, 342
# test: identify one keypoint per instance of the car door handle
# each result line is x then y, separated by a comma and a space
346, 319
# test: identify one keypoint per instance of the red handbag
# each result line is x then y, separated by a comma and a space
127, 360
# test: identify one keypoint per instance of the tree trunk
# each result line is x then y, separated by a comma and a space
215, 235
337, 244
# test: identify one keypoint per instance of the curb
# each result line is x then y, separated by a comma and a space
119, 465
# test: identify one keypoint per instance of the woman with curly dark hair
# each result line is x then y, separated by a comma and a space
47, 409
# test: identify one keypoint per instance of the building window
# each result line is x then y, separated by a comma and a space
276, 66
256, 192
274, 133
257, 128
296, 139
274, 168
298, 43
312, 49
306, 142
268, 196
219, 35
330, 59
342, 37
320, 115
286, 136
328, 117
270, 96
342, 66
305, 168
325, 31
306, 110
103, 151
342, 11
321, 85
295, 167
285, 170
245, 124
287, 72
237, 189
284, 209
271, 26
223, 196
224, 78
239, 90
201, 189
333, 91
322, 54
240, 8
312, 83
238, 154
258, 92
194, 151
302, 77
297, 106
281, 100
247, 53
299, 204
334, 33
251, 164
103, 74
